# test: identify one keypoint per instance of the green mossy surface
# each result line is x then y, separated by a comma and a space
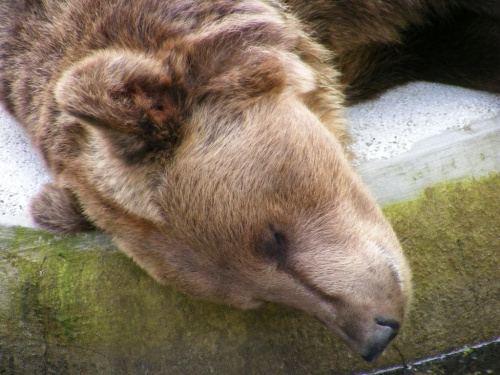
76, 305
451, 235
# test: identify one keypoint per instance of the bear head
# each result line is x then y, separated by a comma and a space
219, 177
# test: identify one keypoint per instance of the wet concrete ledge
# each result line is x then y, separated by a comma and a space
74, 304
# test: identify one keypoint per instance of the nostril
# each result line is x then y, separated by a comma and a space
384, 332
388, 322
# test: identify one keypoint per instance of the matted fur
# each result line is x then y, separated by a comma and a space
205, 137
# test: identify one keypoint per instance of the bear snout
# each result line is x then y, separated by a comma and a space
385, 330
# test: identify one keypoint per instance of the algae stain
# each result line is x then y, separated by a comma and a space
451, 237
67, 283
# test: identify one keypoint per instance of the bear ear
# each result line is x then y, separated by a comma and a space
124, 92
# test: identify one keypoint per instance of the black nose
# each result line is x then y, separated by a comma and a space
388, 322
385, 330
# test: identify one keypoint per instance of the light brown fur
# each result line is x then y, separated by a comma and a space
205, 137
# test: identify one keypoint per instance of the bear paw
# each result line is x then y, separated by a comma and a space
57, 210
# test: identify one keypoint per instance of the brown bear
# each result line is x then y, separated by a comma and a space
205, 137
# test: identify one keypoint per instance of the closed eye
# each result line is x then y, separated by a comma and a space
274, 247
279, 238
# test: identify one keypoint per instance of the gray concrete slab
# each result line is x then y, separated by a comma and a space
453, 155
21, 173
392, 124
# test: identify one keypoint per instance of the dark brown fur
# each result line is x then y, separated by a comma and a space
204, 136
380, 44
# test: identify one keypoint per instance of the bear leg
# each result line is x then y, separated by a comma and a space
462, 50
